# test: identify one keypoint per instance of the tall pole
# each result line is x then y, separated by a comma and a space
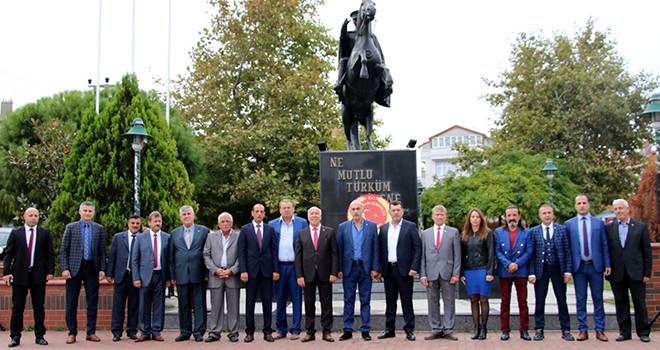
136, 184
98, 60
550, 190
169, 45
133, 42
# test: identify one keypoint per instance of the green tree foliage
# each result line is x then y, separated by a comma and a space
644, 205
572, 98
100, 166
510, 178
260, 97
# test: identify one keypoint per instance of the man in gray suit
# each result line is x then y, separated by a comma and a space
188, 271
221, 259
440, 270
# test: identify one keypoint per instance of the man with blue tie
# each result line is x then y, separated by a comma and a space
357, 247
286, 228
551, 260
83, 260
591, 259
119, 273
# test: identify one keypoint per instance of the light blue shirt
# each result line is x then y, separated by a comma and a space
225, 241
358, 239
581, 236
623, 232
86, 230
285, 251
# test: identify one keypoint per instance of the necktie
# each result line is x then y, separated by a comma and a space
86, 242
155, 250
30, 244
188, 238
585, 238
316, 238
437, 240
259, 237
547, 233
130, 251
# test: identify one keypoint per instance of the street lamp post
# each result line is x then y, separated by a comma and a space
653, 111
139, 136
550, 170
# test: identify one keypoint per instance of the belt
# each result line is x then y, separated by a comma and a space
358, 262
287, 262
393, 263
587, 262
128, 271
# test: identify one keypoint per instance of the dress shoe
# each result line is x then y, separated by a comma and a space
433, 336
539, 335
40, 341
386, 334
211, 339
295, 336
199, 338
451, 336
505, 336
582, 336
366, 336
346, 336
93, 337
566, 335
644, 338
483, 334
601, 336
279, 336
327, 337
308, 337
249, 338
269, 338
157, 337
182, 337
410, 336
233, 338
622, 337
70, 339
525, 336
14, 342
132, 336
477, 330
143, 338
116, 338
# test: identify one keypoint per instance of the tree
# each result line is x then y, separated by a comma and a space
644, 205
511, 178
572, 98
259, 97
100, 166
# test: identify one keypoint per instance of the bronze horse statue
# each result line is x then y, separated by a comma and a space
363, 79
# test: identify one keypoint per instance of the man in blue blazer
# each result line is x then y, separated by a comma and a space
400, 256
189, 272
286, 228
591, 259
119, 273
150, 271
259, 267
551, 260
357, 246
83, 262
513, 248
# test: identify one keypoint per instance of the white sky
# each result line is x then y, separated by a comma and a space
437, 51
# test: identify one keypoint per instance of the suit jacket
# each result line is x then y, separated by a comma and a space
636, 258
370, 251
324, 260
600, 251
444, 262
213, 251
250, 258
520, 254
298, 224
142, 260
118, 258
71, 253
17, 258
187, 265
562, 247
408, 248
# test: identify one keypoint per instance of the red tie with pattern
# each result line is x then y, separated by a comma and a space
437, 241
316, 238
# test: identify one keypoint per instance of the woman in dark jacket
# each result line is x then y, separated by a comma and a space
478, 267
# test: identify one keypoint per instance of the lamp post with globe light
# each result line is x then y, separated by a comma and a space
550, 170
653, 111
139, 136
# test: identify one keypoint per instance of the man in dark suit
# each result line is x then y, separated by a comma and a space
591, 259
316, 267
257, 260
83, 262
400, 256
359, 263
551, 260
188, 271
150, 267
119, 273
28, 265
286, 227
630, 251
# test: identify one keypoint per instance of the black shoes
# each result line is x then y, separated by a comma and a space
525, 336
366, 336
483, 333
644, 338
410, 336
116, 338
386, 334
14, 342
233, 337
477, 331
40, 341
211, 339
622, 337
566, 335
539, 335
346, 336
182, 337
505, 336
